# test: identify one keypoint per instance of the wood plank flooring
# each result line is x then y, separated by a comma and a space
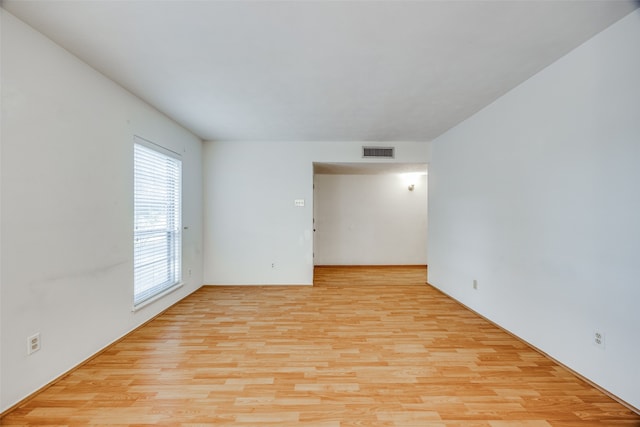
362, 347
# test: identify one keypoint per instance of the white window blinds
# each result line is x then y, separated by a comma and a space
157, 222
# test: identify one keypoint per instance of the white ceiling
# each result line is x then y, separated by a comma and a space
319, 70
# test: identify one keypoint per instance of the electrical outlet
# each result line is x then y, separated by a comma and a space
598, 339
33, 343
273, 265
475, 284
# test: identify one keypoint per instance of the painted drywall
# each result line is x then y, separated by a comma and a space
253, 232
67, 209
370, 219
537, 198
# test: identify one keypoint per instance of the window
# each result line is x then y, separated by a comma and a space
157, 233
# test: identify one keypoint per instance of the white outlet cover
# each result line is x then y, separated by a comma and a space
599, 339
33, 343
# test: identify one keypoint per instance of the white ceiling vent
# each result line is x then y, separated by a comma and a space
378, 152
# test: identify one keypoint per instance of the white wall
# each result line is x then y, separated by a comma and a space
67, 211
251, 221
537, 197
370, 220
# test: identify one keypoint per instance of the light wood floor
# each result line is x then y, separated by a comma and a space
363, 347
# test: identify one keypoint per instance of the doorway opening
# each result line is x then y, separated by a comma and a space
370, 214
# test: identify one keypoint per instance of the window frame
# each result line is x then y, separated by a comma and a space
169, 264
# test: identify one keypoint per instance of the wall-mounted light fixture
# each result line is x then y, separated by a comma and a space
412, 179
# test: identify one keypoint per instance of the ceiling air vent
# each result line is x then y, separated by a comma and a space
378, 152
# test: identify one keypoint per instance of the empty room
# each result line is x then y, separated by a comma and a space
320, 213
